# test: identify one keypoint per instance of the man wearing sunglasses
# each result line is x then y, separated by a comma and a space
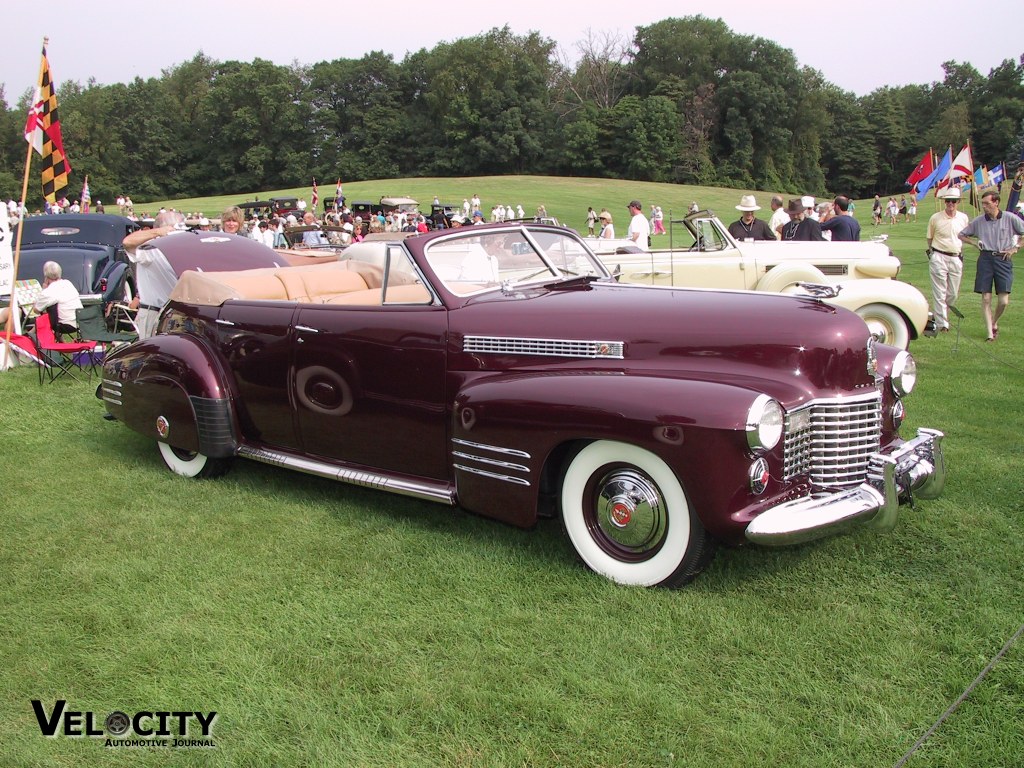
945, 257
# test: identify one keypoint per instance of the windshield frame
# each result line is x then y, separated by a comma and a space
475, 260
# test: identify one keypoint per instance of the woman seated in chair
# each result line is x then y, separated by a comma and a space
60, 293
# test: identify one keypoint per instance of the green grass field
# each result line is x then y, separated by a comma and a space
329, 625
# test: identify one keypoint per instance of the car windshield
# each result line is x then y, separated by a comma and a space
473, 262
704, 234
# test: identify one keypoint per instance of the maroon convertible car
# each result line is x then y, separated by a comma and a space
501, 369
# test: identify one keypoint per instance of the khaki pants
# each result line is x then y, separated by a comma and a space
946, 272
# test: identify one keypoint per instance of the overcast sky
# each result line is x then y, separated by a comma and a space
866, 45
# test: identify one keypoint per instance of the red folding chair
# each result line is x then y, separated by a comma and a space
61, 357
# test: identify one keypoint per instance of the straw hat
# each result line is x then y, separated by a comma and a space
605, 216
748, 203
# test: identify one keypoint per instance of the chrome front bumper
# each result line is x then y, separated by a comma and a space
915, 469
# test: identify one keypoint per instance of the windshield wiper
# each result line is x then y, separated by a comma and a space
570, 283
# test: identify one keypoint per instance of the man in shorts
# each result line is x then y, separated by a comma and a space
997, 235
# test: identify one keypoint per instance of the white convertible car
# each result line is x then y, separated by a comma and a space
859, 276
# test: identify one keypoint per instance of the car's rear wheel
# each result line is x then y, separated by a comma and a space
887, 323
190, 463
628, 518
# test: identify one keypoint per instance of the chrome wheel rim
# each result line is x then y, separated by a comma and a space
627, 514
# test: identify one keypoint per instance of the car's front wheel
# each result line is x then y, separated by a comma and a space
190, 463
887, 324
628, 518
783, 278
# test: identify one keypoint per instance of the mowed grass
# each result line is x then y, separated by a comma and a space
333, 625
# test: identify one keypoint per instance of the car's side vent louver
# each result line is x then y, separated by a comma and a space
505, 345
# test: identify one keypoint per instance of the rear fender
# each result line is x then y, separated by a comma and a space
511, 434
172, 388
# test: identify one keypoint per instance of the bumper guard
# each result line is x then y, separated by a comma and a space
915, 469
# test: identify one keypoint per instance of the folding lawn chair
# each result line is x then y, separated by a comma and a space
61, 357
92, 327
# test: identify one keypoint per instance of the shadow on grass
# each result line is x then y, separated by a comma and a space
545, 547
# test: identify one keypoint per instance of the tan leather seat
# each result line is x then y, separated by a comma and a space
399, 294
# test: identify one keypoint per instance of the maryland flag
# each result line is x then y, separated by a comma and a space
42, 131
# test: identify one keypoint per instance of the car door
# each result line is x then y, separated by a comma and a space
369, 385
256, 339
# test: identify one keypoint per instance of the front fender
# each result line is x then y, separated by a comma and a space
511, 433
172, 388
904, 297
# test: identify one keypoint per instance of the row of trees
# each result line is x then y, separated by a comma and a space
686, 101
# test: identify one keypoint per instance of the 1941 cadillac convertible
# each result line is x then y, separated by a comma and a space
500, 368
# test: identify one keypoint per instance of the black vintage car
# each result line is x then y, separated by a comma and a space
363, 208
329, 203
282, 206
257, 208
81, 243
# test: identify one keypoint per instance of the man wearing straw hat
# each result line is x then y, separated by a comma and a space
749, 227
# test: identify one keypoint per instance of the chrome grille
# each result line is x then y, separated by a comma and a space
508, 345
831, 440
834, 270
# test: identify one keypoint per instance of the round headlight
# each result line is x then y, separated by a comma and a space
904, 373
764, 423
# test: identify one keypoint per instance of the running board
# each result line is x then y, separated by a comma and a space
420, 489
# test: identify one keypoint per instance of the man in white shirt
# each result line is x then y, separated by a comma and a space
779, 216
639, 228
945, 256
57, 290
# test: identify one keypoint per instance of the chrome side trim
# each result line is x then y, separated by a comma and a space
430, 491
495, 462
493, 475
510, 467
111, 391
510, 345
494, 448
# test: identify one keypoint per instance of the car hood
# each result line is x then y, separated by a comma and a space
744, 338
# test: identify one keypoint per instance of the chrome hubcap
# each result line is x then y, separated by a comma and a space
630, 511
880, 329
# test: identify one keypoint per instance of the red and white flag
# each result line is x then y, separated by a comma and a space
962, 166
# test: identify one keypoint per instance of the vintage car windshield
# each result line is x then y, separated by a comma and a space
706, 235
480, 261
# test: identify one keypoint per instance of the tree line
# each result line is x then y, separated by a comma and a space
687, 101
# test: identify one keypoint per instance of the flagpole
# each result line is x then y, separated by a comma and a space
974, 190
21, 217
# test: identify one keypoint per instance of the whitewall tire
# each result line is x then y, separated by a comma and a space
887, 323
190, 463
628, 517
